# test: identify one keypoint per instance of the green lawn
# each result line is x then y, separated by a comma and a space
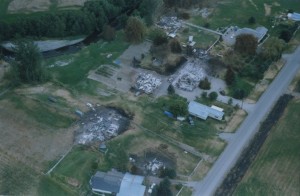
275, 171
41, 111
74, 75
237, 12
198, 136
50, 187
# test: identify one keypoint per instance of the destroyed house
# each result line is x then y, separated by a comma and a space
203, 111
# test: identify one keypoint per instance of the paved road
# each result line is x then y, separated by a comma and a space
248, 128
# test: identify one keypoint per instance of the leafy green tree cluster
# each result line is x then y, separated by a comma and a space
27, 67
178, 107
183, 3
158, 37
273, 48
135, 30
91, 17
246, 44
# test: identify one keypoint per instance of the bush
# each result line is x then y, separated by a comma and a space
204, 94
213, 96
251, 20
204, 84
171, 90
167, 172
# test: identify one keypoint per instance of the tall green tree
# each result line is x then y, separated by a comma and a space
135, 30
246, 44
28, 67
273, 48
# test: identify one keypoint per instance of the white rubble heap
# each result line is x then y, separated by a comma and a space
189, 77
154, 166
147, 83
100, 125
169, 24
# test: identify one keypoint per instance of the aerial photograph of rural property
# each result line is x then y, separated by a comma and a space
149, 97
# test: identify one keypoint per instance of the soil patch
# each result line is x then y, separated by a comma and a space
235, 121
268, 9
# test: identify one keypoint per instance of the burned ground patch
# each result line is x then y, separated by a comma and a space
100, 124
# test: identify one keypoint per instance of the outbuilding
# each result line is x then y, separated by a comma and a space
202, 111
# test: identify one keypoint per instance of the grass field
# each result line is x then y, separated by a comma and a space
202, 136
74, 75
276, 168
237, 12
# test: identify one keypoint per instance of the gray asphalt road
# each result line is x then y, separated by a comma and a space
248, 128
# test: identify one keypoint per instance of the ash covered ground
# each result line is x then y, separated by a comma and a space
101, 124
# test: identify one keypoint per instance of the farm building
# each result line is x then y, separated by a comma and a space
232, 32
202, 111
117, 183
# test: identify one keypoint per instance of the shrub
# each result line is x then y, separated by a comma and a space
204, 84
213, 96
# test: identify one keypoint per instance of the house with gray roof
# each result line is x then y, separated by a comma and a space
202, 111
117, 183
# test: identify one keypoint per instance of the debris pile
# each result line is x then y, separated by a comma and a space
147, 83
100, 124
169, 24
154, 166
189, 77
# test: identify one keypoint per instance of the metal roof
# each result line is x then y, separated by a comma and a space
132, 185
109, 182
203, 111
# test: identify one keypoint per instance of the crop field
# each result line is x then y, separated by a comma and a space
275, 171
237, 12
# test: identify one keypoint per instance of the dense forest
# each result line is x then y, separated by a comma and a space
91, 17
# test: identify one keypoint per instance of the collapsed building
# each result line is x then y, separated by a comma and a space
147, 83
100, 124
170, 24
189, 76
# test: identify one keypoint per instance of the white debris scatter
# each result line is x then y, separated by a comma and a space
189, 77
154, 166
147, 83
61, 63
169, 24
100, 124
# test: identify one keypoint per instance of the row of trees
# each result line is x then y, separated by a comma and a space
91, 17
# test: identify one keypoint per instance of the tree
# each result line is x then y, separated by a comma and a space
158, 36
178, 107
167, 172
230, 76
204, 84
135, 30
213, 96
285, 35
27, 67
175, 46
251, 20
171, 89
163, 189
272, 49
245, 44
109, 33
